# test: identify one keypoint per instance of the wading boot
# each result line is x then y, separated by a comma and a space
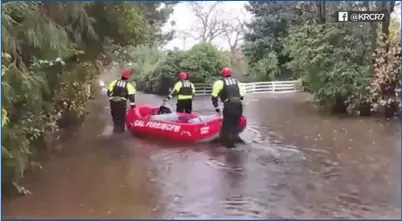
115, 126
229, 144
229, 141
121, 126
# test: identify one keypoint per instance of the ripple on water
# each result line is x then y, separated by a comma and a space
328, 178
234, 206
221, 183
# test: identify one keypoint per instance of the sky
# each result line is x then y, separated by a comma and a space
184, 19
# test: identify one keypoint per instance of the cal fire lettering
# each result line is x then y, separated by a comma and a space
139, 123
157, 125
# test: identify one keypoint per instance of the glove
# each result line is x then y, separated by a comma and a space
217, 110
169, 97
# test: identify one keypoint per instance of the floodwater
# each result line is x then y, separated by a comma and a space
296, 164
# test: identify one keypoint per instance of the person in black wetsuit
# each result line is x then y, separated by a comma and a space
185, 91
119, 91
231, 94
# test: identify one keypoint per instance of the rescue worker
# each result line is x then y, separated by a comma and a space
231, 94
119, 91
185, 91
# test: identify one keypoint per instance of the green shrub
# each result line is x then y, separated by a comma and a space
155, 71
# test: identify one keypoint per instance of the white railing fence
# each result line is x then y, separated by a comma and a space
257, 87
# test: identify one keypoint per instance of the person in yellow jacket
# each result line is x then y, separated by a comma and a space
119, 91
231, 94
185, 91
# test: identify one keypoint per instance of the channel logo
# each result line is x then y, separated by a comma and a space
361, 16
343, 16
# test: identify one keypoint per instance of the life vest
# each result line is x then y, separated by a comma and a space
186, 88
119, 91
230, 91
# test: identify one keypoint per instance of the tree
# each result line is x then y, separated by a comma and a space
385, 88
234, 32
157, 71
388, 8
265, 38
49, 60
157, 13
332, 66
209, 21
334, 60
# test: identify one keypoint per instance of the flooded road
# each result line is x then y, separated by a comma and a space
296, 164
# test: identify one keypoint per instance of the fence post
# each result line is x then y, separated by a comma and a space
273, 86
253, 87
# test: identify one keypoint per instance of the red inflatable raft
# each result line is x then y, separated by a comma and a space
181, 127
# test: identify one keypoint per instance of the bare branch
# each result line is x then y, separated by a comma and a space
234, 32
216, 22
209, 25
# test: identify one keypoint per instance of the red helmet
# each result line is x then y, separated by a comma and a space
126, 75
183, 76
226, 72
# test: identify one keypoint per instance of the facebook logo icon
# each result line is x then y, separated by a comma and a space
342, 16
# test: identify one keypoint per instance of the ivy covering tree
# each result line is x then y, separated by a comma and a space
50, 52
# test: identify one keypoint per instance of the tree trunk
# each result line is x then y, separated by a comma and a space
322, 12
387, 7
365, 110
339, 106
391, 110
371, 6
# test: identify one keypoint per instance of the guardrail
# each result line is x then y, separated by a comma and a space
256, 87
